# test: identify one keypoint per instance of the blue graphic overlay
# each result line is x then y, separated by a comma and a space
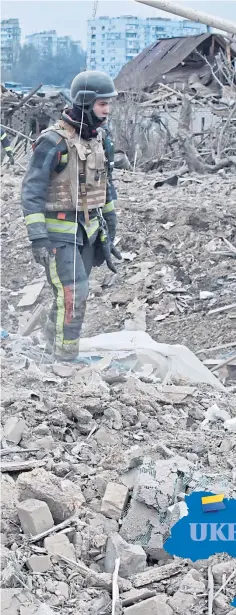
200, 535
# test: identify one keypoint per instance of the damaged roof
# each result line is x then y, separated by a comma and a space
161, 57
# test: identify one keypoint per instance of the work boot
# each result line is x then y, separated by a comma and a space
69, 352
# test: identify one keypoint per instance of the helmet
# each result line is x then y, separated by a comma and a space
89, 85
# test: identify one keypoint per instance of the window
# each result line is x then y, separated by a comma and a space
103, 59
103, 27
93, 36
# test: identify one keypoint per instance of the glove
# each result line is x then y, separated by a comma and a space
11, 157
41, 249
115, 252
110, 219
108, 249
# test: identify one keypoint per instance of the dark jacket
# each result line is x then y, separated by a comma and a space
48, 157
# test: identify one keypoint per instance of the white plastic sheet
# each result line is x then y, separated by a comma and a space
166, 359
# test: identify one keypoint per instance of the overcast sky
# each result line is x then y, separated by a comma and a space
69, 17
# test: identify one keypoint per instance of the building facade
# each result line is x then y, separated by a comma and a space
49, 44
45, 42
112, 42
10, 42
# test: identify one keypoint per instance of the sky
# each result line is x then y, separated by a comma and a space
69, 17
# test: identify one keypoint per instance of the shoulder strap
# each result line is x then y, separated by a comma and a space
83, 191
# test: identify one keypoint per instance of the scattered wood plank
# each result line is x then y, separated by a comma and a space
224, 308
54, 528
136, 595
22, 466
176, 394
231, 576
154, 575
32, 322
16, 132
96, 579
11, 451
229, 244
221, 347
210, 590
223, 363
215, 363
115, 589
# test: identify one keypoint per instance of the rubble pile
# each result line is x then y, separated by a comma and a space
32, 116
96, 460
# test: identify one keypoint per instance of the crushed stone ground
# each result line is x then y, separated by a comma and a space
81, 427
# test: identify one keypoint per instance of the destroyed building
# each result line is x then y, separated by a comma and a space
153, 86
33, 115
178, 62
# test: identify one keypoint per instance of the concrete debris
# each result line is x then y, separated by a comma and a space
36, 609
59, 545
230, 425
5, 556
13, 429
62, 496
9, 500
12, 599
214, 413
31, 294
132, 557
158, 483
104, 438
39, 563
35, 516
187, 595
117, 442
220, 569
151, 606
141, 525
114, 500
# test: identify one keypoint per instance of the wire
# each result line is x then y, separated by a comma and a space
77, 199
95, 6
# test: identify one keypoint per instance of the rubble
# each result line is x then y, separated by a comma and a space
186, 596
12, 599
39, 563
114, 500
119, 444
151, 606
13, 429
132, 557
59, 544
35, 516
61, 496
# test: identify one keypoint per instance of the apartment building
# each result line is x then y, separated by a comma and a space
10, 42
112, 42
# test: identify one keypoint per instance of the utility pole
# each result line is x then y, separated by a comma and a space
198, 16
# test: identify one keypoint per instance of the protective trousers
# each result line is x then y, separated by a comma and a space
68, 271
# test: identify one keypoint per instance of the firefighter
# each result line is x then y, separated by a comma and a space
68, 207
7, 145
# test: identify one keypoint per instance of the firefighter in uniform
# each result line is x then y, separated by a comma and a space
68, 207
7, 145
